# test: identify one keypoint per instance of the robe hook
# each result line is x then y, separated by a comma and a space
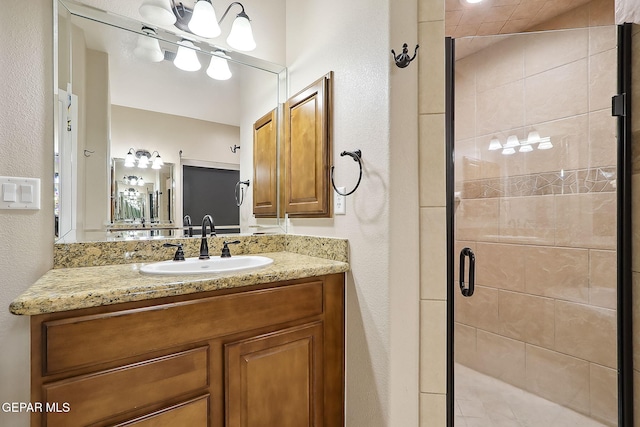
403, 59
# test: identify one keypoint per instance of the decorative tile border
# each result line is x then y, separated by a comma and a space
579, 181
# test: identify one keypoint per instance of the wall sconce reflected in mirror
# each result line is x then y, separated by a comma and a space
148, 47
186, 59
141, 158
201, 20
219, 67
133, 180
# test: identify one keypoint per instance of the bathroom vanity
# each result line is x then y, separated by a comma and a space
111, 346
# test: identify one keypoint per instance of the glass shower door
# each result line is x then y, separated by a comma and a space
535, 225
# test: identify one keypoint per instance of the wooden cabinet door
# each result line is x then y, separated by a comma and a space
265, 173
276, 380
308, 150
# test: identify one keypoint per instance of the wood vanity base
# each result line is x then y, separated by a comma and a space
259, 356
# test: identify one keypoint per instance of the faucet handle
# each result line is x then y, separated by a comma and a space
225, 249
179, 256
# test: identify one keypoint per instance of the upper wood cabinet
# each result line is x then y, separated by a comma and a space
307, 151
265, 172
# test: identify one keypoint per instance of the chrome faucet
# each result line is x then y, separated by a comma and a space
186, 222
204, 247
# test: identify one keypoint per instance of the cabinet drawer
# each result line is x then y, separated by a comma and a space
95, 397
192, 413
88, 340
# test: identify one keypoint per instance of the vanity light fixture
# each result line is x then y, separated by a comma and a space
148, 47
141, 158
201, 21
186, 59
133, 180
219, 67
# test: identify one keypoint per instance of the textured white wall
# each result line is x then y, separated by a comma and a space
26, 147
353, 39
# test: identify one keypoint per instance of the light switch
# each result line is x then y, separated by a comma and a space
20, 193
9, 192
26, 195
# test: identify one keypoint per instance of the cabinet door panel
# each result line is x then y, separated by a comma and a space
276, 380
102, 395
265, 175
308, 151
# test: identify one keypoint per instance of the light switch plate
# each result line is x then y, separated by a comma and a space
24, 193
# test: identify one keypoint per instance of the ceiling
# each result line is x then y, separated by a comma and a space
491, 17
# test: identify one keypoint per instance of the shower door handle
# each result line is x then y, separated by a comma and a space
464, 253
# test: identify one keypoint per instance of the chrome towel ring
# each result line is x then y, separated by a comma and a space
357, 157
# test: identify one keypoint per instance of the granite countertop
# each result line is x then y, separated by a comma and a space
65, 289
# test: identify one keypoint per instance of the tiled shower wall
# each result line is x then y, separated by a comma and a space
542, 223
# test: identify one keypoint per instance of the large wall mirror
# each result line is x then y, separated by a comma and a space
115, 108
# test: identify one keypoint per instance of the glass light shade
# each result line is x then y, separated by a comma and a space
140, 181
525, 148
157, 162
129, 160
494, 144
508, 151
143, 161
241, 35
204, 22
148, 48
219, 68
512, 141
545, 144
472, 1
186, 59
533, 137
157, 12
133, 180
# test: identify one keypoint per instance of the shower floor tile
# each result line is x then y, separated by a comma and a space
483, 401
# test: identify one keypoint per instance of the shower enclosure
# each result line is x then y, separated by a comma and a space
537, 255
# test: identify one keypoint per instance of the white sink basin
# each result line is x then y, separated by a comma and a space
207, 266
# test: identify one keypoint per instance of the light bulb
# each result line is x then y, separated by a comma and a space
186, 59
157, 12
241, 35
204, 22
218, 68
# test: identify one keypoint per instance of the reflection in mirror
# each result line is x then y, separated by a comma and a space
110, 102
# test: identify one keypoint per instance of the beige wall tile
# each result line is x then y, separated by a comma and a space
500, 266
467, 163
602, 138
430, 10
477, 220
527, 318
636, 321
529, 220
557, 377
480, 310
603, 394
465, 345
603, 278
576, 18
602, 79
500, 64
557, 93
558, 273
433, 410
431, 64
432, 160
502, 358
635, 219
602, 38
545, 51
601, 12
465, 124
433, 253
586, 220
433, 352
586, 332
500, 108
